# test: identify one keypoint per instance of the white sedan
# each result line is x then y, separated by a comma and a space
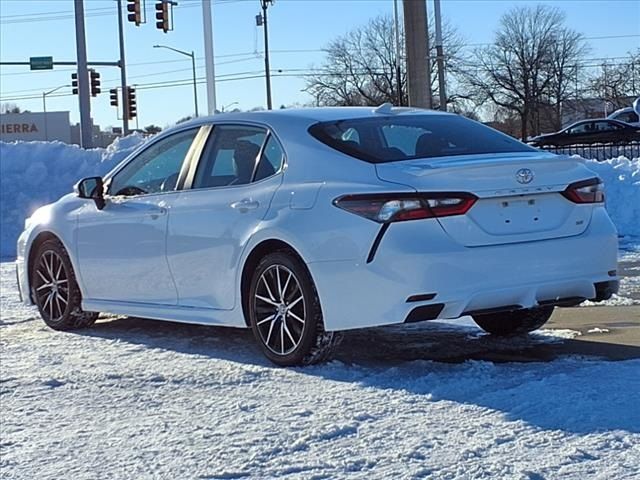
302, 223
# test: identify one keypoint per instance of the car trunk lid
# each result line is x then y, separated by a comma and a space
519, 195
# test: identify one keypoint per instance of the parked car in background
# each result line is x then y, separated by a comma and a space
626, 115
301, 223
599, 130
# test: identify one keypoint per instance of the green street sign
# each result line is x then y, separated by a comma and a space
41, 63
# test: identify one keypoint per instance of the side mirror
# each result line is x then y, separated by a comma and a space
93, 188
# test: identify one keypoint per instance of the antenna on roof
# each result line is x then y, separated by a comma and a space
385, 109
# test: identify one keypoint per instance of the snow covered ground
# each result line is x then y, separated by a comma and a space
133, 398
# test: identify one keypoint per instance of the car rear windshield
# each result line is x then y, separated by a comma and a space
396, 138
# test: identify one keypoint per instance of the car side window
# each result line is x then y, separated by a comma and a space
629, 117
351, 135
578, 129
606, 126
271, 160
155, 169
230, 156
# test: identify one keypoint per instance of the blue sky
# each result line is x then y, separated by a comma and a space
299, 29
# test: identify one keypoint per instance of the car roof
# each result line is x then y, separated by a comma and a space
310, 115
589, 120
621, 110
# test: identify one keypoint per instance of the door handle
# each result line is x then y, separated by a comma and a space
156, 213
245, 205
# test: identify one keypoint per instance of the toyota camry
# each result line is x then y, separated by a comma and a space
300, 224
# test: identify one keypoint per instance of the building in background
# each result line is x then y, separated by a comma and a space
581, 109
30, 126
50, 126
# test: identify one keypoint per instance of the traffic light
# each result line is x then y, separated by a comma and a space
162, 16
130, 103
74, 83
113, 96
135, 11
94, 78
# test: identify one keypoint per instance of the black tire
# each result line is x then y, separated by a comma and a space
55, 291
516, 322
295, 313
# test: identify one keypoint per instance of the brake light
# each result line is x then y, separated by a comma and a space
399, 207
586, 191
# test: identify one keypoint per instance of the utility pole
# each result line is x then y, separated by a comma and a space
417, 45
208, 56
123, 73
86, 134
267, 73
398, 53
440, 56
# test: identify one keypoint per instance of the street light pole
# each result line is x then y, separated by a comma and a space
225, 107
193, 67
44, 109
195, 85
267, 73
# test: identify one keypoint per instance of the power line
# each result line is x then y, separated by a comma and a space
281, 72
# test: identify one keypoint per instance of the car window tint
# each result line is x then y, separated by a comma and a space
606, 126
230, 156
351, 135
629, 117
156, 168
404, 137
271, 159
582, 128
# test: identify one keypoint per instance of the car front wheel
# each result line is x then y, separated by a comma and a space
55, 291
514, 323
285, 314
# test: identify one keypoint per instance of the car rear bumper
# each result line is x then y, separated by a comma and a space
418, 259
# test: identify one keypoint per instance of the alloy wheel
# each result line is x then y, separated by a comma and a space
279, 306
51, 284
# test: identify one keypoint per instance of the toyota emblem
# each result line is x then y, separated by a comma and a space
524, 175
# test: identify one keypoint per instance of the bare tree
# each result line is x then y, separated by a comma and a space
152, 129
617, 83
529, 65
360, 67
569, 49
9, 108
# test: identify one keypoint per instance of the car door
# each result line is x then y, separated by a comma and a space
227, 195
121, 249
580, 133
607, 132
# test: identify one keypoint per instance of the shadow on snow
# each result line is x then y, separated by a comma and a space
440, 361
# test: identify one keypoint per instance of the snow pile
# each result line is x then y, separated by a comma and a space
614, 301
621, 178
33, 174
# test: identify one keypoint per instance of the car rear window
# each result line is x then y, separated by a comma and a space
396, 138
629, 117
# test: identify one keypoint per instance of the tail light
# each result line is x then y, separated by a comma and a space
586, 191
399, 207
